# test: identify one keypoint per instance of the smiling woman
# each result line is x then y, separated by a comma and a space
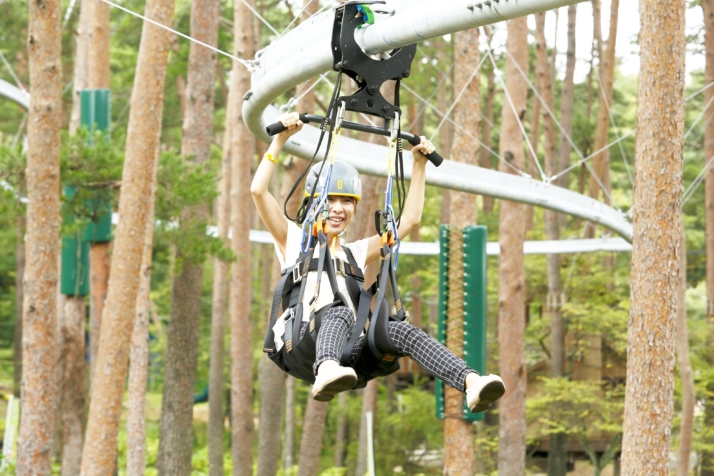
333, 358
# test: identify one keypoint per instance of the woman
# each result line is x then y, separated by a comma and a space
338, 322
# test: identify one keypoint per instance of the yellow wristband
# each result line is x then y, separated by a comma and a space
269, 156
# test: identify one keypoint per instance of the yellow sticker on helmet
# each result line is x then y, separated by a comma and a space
339, 185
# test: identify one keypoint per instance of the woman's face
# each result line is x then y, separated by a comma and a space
342, 209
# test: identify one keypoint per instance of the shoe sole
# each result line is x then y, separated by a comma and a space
489, 394
341, 384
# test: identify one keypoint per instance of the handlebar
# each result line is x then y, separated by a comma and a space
434, 157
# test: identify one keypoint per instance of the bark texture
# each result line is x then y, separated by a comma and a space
311, 443
216, 399
656, 237
511, 292
39, 340
99, 270
176, 428
606, 71
81, 64
272, 385
685, 367
557, 454
115, 339
458, 435
19, 295
708, 11
566, 99
139, 353
487, 123
242, 147
72, 386
98, 48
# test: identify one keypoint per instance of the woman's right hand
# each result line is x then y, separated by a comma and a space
293, 123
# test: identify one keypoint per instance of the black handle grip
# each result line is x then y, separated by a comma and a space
434, 158
278, 127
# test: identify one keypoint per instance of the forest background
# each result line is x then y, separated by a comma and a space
595, 285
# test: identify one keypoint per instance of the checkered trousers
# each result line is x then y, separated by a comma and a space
338, 326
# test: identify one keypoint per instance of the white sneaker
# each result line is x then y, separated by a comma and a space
331, 380
484, 392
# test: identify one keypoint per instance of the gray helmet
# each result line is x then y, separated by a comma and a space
344, 182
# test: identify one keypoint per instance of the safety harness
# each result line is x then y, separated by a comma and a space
378, 354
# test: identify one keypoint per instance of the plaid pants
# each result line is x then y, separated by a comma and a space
338, 325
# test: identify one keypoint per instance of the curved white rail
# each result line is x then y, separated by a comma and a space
304, 53
14, 94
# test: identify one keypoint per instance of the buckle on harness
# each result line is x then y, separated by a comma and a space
340, 266
297, 277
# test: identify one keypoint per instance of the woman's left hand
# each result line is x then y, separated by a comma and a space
425, 147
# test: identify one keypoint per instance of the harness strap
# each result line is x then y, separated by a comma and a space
363, 314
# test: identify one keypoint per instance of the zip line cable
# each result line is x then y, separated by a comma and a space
498, 74
12, 72
247, 64
260, 17
458, 97
468, 133
615, 130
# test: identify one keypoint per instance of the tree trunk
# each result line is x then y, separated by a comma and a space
176, 428
606, 71
311, 442
242, 146
98, 77
566, 101
139, 353
98, 49
115, 337
19, 293
216, 413
39, 340
446, 134
487, 124
81, 64
656, 237
557, 453
708, 11
341, 437
99, 271
369, 404
511, 293
458, 434
72, 413
685, 367
271, 381
289, 440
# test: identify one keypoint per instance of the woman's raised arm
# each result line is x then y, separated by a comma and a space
414, 204
268, 207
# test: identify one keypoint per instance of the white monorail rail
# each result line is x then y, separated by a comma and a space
304, 53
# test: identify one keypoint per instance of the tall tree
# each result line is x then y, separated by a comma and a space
176, 428
242, 147
446, 134
81, 63
458, 434
487, 123
216, 398
139, 353
708, 11
566, 99
72, 377
19, 297
656, 237
557, 453
511, 292
685, 366
98, 77
606, 72
39, 392
141, 145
